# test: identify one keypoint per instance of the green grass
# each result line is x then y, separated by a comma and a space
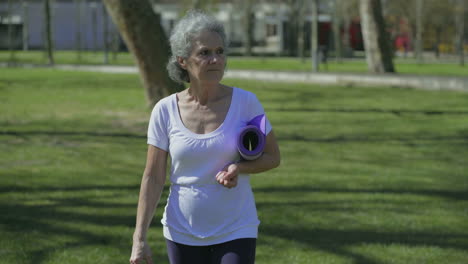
404, 66
367, 175
67, 57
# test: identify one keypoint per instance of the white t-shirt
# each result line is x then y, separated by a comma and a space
199, 210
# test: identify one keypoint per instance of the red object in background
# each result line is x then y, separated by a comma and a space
355, 35
402, 42
324, 33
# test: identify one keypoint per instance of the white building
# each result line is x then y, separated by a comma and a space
82, 24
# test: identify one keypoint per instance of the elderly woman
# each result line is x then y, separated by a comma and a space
210, 216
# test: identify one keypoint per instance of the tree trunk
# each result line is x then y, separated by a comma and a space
377, 46
248, 27
142, 32
300, 30
336, 31
105, 35
49, 46
348, 49
419, 29
94, 16
438, 32
460, 21
314, 37
347, 9
10, 32
292, 28
115, 45
25, 26
78, 29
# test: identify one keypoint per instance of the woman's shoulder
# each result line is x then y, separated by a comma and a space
166, 101
164, 104
242, 94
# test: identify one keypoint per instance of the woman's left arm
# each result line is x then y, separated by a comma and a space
270, 159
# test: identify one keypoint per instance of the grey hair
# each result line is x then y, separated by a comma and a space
188, 28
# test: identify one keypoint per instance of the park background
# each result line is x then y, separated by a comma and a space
371, 172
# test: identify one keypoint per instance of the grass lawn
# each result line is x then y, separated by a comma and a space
367, 175
404, 66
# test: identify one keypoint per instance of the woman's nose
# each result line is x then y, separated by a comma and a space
214, 59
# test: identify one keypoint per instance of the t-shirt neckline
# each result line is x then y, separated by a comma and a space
213, 133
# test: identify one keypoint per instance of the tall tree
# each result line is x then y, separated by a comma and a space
248, 24
427, 21
419, 30
314, 36
93, 6
144, 36
25, 26
300, 29
48, 25
347, 9
105, 35
336, 31
460, 25
407, 10
115, 44
292, 27
78, 29
376, 41
440, 18
10, 31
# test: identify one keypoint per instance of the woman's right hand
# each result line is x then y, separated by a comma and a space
141, 252
228, 177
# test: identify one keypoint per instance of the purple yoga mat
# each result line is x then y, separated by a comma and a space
251, 141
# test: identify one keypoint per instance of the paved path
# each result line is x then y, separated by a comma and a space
374, 80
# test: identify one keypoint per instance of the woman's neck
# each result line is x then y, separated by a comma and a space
203, 93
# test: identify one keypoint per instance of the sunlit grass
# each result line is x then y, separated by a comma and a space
367, 175
402, 65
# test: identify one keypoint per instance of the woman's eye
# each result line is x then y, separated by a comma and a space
220, 51
204, 52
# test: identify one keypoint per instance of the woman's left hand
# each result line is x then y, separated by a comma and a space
228, 176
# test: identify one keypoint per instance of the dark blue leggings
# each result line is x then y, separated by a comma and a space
239, 251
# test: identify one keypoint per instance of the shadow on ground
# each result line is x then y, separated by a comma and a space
52, 220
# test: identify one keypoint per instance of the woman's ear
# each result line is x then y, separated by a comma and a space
182, 62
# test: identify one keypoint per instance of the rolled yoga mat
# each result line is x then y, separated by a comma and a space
251, 141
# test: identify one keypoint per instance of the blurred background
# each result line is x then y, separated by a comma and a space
418, 29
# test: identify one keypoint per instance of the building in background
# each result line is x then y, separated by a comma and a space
71, 21
82, 25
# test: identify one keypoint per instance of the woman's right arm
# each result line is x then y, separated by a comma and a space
152, 185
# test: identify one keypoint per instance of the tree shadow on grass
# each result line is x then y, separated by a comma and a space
45, 189
338, 241
461, 195
286, 137
374, 138
69, 133
52, 220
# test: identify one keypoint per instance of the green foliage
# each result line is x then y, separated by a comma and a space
367, 175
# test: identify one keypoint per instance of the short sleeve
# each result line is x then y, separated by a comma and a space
157, 128
255, 109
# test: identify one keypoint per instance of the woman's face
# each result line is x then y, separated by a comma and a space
207, 60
